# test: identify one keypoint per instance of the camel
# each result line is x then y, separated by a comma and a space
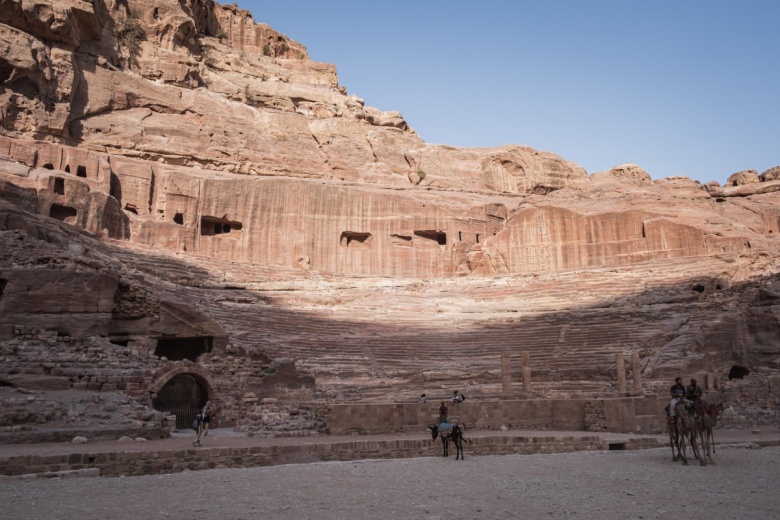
674, 437
704, 425
683, 431
454, 434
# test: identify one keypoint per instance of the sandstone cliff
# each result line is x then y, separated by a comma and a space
182, 181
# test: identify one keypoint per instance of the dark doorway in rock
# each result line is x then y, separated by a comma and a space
3, 283
738, 372
81, 171
59, 186
210, 226
63, 213
184, 396
437, 236
179, 218
354, 238
178, 349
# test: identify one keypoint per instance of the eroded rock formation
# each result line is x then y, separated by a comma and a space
185, 185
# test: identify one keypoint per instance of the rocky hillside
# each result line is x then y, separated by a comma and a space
185, 183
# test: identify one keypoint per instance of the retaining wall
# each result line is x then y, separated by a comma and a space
163, 461
619, 415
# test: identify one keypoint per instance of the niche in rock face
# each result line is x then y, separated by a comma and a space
210, 226
178, 349
738, 372
432, 236
63, 213
355, 239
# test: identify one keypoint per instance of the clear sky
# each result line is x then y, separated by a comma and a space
679, 87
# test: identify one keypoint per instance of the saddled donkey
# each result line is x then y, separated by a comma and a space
447, 434
705, 422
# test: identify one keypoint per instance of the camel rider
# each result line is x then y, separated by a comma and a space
693, 392
678, 385
679, 395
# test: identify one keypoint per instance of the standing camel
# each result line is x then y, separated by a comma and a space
674, 438
704, 425
684, 432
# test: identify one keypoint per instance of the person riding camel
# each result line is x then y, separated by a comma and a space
693, 392
678, 385
679, 395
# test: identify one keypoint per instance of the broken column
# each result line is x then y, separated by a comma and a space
506, 375
526, 372
621, 372
637, 372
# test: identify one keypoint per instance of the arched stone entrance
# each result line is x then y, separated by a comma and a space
184, 391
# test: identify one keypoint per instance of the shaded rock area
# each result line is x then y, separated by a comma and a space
191, 209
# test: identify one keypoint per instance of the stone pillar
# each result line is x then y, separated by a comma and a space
637, 372
506, 375
526, 372
621, 372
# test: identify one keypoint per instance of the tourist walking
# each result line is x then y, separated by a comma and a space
208, 412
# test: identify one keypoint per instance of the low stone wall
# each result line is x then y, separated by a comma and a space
93, 435
174, 461
624, 415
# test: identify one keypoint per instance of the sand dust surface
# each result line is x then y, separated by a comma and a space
641, 484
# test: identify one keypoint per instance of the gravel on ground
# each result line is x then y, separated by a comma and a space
642, 484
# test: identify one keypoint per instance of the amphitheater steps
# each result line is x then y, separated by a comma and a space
366, 330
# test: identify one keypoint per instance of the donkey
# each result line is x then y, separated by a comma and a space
454, 434
704, 425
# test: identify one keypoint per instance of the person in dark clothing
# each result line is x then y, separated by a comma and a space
693, 392
678, 385
444, 412
207, 413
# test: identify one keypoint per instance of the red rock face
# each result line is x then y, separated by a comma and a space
206, 151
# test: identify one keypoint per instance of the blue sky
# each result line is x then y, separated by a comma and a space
685, 87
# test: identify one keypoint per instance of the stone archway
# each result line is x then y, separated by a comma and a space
183, 391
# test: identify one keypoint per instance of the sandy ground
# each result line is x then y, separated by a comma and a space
599, 485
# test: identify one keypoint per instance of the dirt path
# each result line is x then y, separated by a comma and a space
599, 485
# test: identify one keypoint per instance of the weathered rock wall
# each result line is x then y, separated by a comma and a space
175, 176
357, 229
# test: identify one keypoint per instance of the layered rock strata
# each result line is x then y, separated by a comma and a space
187, 194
